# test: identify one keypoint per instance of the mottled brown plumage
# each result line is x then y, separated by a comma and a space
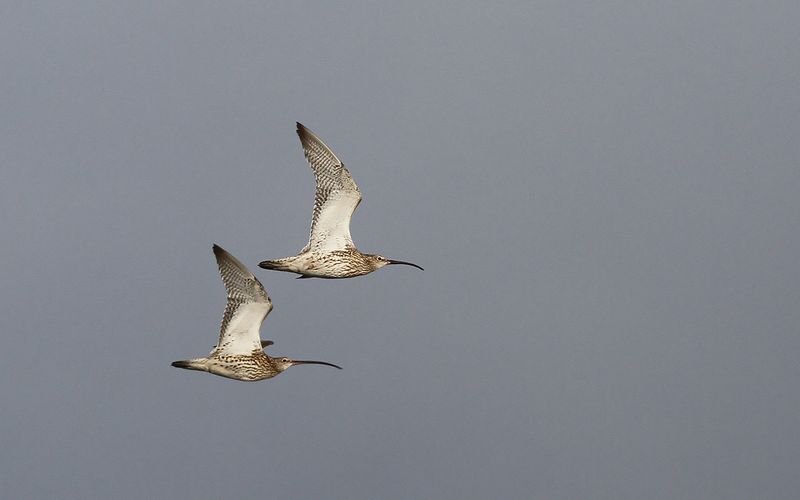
239, 352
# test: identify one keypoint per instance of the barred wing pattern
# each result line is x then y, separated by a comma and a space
335, 199
248, 305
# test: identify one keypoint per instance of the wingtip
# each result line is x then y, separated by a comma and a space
220, 253
303, 132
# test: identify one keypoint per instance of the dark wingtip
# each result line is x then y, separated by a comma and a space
304, 134
180, 364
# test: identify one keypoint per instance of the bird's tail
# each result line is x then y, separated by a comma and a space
276, 265
191, 364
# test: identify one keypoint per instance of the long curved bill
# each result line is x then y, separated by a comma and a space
297, 362
391, 261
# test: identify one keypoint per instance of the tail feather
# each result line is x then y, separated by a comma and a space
275, 265
190, 364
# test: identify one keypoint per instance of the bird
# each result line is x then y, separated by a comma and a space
239, 353
330, 252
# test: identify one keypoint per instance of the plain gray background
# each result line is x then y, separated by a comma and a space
604, 196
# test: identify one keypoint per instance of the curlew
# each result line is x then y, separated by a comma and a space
239, 352
330, 252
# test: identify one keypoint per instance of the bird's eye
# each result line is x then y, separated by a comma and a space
286, 360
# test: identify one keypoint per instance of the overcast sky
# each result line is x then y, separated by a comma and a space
605, 198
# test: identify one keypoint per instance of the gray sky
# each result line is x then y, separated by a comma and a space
604, 198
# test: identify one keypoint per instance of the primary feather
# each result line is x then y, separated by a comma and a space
248, 305
335, 199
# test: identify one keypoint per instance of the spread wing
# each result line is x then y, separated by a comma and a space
335, 199
248, 305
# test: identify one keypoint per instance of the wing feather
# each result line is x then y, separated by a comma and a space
248, 305
336, 196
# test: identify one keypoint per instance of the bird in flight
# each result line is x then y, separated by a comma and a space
330, 252
239, 353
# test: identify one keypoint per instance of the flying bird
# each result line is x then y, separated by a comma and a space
239, 352
330, 252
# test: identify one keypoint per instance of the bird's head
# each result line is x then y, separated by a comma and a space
283, 363
379, 261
